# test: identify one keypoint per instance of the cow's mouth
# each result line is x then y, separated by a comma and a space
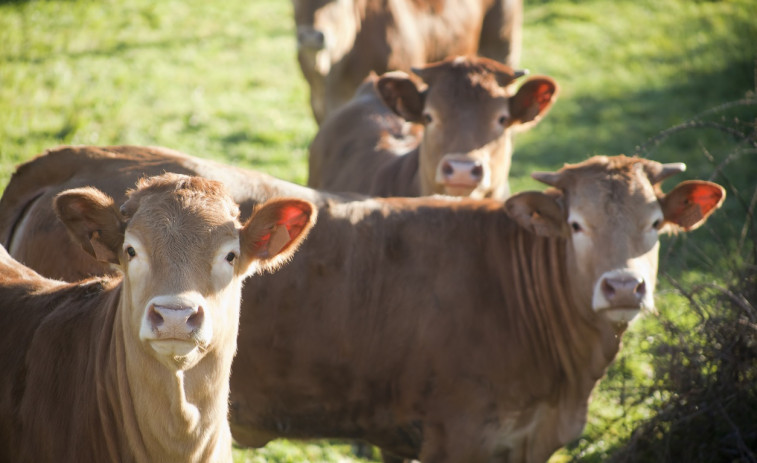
620, 314
170, 347
458, 189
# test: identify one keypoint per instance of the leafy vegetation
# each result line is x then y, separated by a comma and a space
673, 80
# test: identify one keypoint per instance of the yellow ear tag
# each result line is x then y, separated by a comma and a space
279, 238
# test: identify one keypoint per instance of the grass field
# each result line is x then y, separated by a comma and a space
220, 80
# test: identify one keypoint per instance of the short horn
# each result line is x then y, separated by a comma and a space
668, 170
550, 178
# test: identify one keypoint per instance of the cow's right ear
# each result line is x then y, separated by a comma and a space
92, 220
690, 203
402, 95
532, 101
540, 213
273, 233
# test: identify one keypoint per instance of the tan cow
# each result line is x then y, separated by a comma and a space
375, 145
449, 330
135, 368
339, 42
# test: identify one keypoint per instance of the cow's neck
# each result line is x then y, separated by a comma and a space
166, 415
573, 344
576, 343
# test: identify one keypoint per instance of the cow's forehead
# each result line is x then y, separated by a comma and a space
193, 215
463, 81
616, 187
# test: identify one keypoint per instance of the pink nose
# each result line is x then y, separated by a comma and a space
624, 291
462, 172
309, 37
179, 322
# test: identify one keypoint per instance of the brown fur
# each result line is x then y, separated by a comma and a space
361, 36
440, 329
393, 136
78, 382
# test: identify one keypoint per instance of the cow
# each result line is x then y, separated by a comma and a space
443, 329
135, 367
339, 42
449, 133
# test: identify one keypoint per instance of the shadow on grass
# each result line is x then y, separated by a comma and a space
602, 125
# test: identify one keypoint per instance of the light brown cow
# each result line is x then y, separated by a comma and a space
339, 42
373, 146
442, 329
135, 368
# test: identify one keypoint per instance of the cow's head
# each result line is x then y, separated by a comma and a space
612, 210
326, 31
469, 115
183, 255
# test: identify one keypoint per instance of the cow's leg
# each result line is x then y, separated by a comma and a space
456, 442
501, 32
387, 457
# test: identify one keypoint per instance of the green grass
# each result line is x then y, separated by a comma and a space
220, 80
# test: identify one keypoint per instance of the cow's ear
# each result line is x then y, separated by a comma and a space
92, 220
532, 101
273, 232
402, 95
689, 204
540, 213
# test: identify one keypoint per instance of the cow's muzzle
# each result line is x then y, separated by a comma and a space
176, 325
621, 295
461, 175
310, 38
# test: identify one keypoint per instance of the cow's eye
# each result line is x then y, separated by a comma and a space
230, 257
502, 120
656, 224
575, 226
130, 252
427, 118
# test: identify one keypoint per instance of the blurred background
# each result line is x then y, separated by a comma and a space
672, 80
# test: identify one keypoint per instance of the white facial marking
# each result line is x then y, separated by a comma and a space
224, 263
581, 237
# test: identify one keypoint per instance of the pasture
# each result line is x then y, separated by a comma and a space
673, 80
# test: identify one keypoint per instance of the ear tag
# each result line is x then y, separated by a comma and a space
102, 252
279, 238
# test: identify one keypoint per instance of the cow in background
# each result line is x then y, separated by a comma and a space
442, 329
339, 42
447, 131
135, 367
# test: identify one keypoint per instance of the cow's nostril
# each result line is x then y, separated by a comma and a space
155, 318
195, 320
607, 289
447, 169
477, 171
641, 289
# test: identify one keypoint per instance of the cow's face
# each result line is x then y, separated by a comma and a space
612, 211
469, 116
326, 30
183, 255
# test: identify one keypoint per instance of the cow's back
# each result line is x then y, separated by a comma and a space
400, 34
47, 395
31, 232
364, 147
363, 340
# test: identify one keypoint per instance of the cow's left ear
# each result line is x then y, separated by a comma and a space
532, 101
91, 218
402, 95
541, 213
690, 203
273, 232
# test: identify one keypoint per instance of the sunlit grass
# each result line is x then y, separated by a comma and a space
220, 80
